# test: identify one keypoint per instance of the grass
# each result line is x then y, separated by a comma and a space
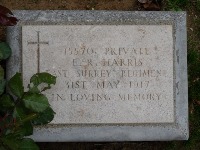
198, 5
176, 5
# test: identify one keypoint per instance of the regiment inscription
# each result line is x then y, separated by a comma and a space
106, 74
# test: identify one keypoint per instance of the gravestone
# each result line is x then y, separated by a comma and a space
121, 76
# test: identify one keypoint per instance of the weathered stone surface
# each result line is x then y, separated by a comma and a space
121, 76
105, 74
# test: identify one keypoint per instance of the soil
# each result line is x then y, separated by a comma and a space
105, 146
125, 5
70, 4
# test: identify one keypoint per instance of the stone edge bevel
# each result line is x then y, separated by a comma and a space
177, 131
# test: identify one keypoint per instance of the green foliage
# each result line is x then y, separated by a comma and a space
17, 116
193, 72
1, 73
35, 102
16, 86
5, 51
176, 5
6, 102
40, 78
28, 144
44, 117
197, 29
194, 95
198, 5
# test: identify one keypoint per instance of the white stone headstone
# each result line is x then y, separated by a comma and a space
120, 77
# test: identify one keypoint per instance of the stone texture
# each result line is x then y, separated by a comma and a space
154, 57
105, 74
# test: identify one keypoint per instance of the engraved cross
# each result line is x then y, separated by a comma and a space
38, 43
